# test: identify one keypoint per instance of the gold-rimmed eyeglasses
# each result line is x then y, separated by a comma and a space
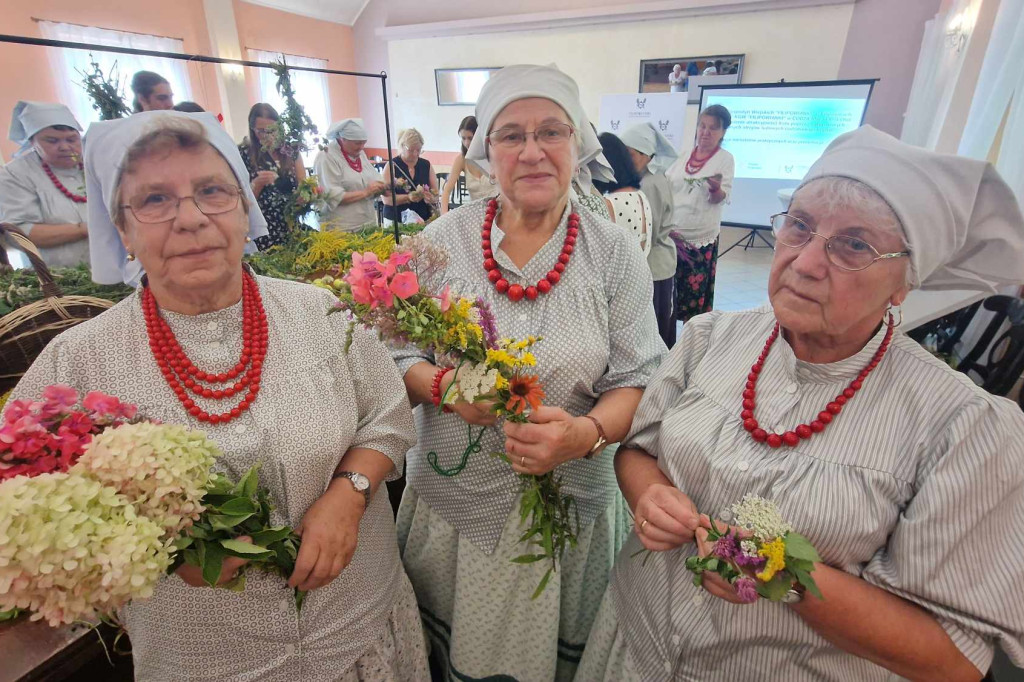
547, 135
844, 251
159, 207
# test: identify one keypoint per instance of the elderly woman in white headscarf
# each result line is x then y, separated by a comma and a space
546, 268
350, 181
904, 474
174, 190
652, 155
42, 191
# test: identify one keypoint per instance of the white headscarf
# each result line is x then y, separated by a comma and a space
348, 129
647, 139
962, 223
522, 81
28, 118
107, 144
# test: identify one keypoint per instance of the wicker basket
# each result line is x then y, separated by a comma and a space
26, 331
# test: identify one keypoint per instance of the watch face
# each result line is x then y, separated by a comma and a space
360, 482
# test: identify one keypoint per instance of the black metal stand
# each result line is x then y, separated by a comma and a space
383, 76
749, 240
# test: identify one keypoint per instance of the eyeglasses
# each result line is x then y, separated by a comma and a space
549, 135
156, 207
843, 251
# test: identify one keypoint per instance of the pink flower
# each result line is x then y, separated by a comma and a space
446, 298
405, 285
381, 294
80, 423
61, 395
746, 590
16, 409
101, 404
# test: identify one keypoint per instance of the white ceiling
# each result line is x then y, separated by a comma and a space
339, 11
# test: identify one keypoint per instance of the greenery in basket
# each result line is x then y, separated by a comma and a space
21, 287
105, 91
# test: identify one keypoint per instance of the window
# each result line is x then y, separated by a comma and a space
71, 64
310, 91
460, 86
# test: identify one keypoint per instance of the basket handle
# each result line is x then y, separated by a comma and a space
46, 282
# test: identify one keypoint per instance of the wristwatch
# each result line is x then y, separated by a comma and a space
360, 482
794, 595
602, 440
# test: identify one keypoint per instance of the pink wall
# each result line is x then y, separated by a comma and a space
28, 75
884, 42
262, 28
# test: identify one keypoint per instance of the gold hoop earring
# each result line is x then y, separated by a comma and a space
130, 257
899, 310
248, 239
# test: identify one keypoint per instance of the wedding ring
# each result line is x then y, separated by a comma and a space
522, 462
642, 525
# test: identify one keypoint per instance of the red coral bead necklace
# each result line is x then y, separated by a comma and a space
516, 292
77, 198
825, 417
184, 377
355, 164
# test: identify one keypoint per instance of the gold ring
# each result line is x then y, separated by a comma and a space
642, 525
522, 462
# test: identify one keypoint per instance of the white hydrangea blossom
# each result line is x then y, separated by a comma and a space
72, 548
760, 516
163, 469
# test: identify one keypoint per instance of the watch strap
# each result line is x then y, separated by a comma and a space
602, 439
351, 476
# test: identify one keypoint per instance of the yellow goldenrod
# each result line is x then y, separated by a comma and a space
775, 552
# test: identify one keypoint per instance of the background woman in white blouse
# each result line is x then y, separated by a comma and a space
479, 184
347, 176
42, 191
178, 191
903, 473
701, 183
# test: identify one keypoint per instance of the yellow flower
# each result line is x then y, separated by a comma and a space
775, 552
500, 357
500, 382
527, 360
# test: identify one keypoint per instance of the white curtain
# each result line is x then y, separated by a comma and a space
71, 64
999, 93
310, 90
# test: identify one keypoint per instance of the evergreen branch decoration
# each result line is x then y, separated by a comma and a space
105, 91
294, 123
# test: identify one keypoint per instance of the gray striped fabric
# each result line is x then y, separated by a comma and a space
917, 487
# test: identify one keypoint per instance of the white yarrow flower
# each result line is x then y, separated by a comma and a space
761, 516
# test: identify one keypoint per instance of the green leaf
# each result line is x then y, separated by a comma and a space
250, 481
528, 558
805, 579
692, 562
270, 535
222, 522
711, 564
245, 550
775, 589
543, 583
799, 547
698, 579
213, 562
802, 564
237, 506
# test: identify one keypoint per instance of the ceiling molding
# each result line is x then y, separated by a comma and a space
290, 7
614, 14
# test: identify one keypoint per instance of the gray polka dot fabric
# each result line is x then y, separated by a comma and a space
599, 334
316, 402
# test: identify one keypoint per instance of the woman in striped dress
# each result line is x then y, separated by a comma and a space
911, 493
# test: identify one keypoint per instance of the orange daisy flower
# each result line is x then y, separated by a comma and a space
525, 391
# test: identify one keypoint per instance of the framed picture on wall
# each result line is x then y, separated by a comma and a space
460, 87
688, 74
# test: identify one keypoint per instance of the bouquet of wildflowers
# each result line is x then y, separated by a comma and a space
95, 509
386, 295
766, 558
308, 197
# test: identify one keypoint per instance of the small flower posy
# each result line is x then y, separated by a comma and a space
387, 295
765, 557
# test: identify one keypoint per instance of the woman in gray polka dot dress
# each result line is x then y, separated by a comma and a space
600, 345
326, 426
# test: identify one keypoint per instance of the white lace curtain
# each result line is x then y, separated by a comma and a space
71, 64
310, 90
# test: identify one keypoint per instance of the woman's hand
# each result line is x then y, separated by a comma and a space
714, 183
193, 575
476, 413
262, 179
329, 530
552, 436
714, 583
665, 518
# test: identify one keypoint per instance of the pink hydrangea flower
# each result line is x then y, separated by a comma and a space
405, 285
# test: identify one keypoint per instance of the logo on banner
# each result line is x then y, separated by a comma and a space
615, 124
641, 103
663, 125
